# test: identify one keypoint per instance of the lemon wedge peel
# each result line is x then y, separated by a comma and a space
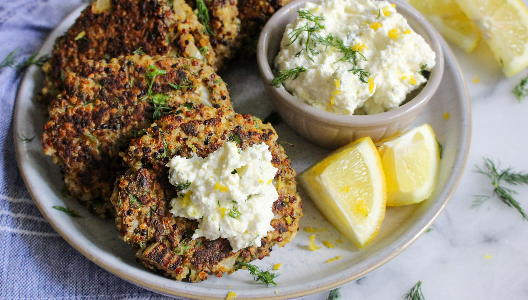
447, 17
411, 164
357, 214
504, 27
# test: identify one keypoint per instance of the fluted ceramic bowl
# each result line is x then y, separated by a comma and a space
335, 130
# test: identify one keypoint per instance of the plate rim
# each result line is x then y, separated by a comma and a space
402, 244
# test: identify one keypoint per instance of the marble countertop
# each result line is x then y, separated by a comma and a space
469, 253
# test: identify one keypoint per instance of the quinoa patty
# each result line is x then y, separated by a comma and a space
142, 196
122, 27
106, 104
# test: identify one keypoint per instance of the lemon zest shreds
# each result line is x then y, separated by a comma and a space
446, 116
332, 100
337, 83
80, 35
371, 85
408, 31
476, 79
375, 25
277, 266
339, 241
220, 187
404, 77
231, 295
288, 220
328, 244
312, 245
359, 47
412, 80
393, 5
487, 256
333, 259
386, 11
223, 211
269, 182
394, 33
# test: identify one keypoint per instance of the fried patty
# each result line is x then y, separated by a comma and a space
106, 104
224, 26
142, 196
101, 32
253, 16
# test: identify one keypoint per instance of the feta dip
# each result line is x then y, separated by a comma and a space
230, 192
352, 57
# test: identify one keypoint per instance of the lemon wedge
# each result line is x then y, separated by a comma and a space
504, 27
349, 189
410, 163
447, 17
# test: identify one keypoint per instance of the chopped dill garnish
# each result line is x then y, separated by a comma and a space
203, 16
139, 51
235, 138
23, 138
265, 276
429, 230
203, 52
134, 199
152, 76
283, 75
10, 60
334, 294
70, 212
306, 14
440, 149
415, 293
32, 60
234, 213
504, 194
160, 106
521, 90
91, 137
361, 73
379, 13
183, 186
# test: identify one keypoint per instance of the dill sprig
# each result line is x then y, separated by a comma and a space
139, 51
203, 16
415, 293
283, 75
504, 194
152, 76
521, 90
32, 60
10, 60
160, 106
265, 276
306, 14
334, 294
68, 211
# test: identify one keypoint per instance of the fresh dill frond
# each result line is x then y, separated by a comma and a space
521, 90
361, 73
265, 277
10, 60
183, 186
306, 14
283, 75
68, 211
160, 106
203, 16
32, 60
152, 76
139, 51
134, 199
334, 294
415, 293
479, 200
504, 194
23, 138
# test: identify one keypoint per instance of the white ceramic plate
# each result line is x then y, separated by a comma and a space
303, 272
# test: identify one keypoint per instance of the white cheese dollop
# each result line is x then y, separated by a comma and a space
394, 54
231, 193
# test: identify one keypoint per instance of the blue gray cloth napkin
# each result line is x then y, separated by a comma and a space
35, 262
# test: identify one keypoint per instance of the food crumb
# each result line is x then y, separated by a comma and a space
328, 244
333, 259
487, 256
339, 241
231, 295
312, 245
446, 116
476, 79
277, 266
313, 230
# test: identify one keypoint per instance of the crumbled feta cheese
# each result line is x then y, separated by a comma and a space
230, 193
394, 54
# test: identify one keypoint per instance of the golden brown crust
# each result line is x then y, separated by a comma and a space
105, 105
127, 26
142, 196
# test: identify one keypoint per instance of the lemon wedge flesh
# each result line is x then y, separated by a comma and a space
447, 17
504, 27
349, 189
410, 163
